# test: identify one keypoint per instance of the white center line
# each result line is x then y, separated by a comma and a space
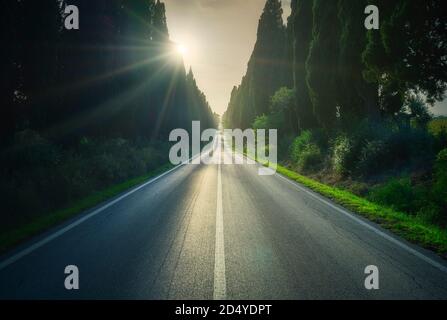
220, 283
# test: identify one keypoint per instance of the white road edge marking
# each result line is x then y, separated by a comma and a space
220, 284
76, 223
397, 242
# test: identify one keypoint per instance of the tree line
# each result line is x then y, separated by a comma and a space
351, 105
85, 112
118, 75
339, 71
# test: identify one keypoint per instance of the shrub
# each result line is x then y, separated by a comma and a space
431, 214
397, 194
300, 144
409, 144
261, 122
31, 150
38, 177
305, 153
374, 148
372, 157
441, 141
310, 157
345, 155
437, 126
440, 184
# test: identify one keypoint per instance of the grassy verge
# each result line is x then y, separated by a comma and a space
404, 225
33, 228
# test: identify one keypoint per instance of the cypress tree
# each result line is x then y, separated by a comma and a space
357, 98
407, 55
322, 61
267, 69
302, 22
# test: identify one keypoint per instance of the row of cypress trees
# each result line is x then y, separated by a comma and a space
339, 71
118, 75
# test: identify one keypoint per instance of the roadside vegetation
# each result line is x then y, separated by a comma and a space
77, 125
44, 184
393, 172
352, 107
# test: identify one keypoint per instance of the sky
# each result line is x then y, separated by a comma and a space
218, 37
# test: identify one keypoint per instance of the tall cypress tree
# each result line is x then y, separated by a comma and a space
357, 98
267, 65
408, 54
301, 22
11, 22
322, 61
267, 69
159, 25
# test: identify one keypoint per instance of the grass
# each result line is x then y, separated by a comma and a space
402, 224
11, 238
436, 126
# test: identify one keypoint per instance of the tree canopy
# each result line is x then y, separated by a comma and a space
118, 75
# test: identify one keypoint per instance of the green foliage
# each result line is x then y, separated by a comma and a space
39, 224
38, 177
282, 100
406, 55
420, 116
397, 194
266, 72
300, 144
280, 105
371, 148
370, 93
438, 126
261, 122
50, 83
344, 155
411, 228
409, 146
321, 62
372, 156
440, 185
301, 23
428, 203
357, 98
305, 153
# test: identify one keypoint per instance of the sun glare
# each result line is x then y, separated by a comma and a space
182, 49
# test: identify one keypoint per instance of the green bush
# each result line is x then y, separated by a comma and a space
300, 144
372, 157
440, 184
310, 158
408, 145
428, 203
397, 194
376, 148
261, 122
305, 153
345, 155
38, 177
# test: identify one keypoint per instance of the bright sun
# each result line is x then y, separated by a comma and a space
182, 49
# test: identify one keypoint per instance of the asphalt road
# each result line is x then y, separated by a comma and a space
223, 232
